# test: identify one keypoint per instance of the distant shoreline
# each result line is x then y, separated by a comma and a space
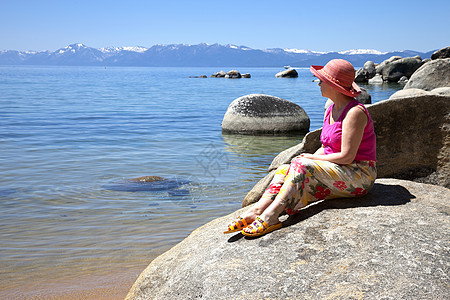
201, 55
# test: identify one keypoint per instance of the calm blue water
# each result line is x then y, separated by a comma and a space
70, 133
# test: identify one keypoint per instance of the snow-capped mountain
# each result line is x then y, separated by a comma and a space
185, 55
115, 50
362, 51
303, 51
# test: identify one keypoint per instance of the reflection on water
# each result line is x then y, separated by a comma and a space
259, 145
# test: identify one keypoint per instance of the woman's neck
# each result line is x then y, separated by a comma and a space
340, 101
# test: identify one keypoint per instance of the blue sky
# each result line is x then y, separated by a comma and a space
314, 25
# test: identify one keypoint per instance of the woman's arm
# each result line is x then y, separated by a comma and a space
320, 151
352, 131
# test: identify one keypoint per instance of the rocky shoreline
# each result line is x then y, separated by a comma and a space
392, 243
384, 245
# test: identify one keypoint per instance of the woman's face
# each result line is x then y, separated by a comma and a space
325, 89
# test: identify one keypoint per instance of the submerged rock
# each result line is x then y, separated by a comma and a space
147, 183
390, 244
264, 114
147, 178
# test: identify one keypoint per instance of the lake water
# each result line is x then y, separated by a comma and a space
71, 135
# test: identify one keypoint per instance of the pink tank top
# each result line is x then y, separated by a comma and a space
331, 136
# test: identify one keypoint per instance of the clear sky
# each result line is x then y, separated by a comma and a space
314, 25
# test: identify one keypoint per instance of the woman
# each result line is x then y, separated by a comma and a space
343, 167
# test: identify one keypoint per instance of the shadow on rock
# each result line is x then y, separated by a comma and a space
380, 195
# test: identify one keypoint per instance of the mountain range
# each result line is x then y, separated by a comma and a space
201, 55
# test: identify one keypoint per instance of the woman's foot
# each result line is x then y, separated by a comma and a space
267, 220
242, 221
246, 218
260, 227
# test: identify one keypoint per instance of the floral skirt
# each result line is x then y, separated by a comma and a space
305, 181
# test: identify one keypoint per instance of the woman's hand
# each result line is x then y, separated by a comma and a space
308, 155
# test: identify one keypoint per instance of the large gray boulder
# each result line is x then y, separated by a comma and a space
431, 75
395, 70
366, 73
391, 244
443, 91
413, 92
408, 93
442, 53
380, 67
264, 114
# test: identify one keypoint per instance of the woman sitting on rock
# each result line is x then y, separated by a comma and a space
343, 167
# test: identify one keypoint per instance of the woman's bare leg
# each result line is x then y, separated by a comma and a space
268, 196
271, 214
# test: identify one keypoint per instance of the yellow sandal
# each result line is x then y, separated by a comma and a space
260, 227
237, 225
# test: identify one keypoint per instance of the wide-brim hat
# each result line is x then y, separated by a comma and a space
340, 75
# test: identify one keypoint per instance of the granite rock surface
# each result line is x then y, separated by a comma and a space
433, 74
391, 244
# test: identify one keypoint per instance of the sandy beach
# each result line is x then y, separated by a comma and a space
111, 286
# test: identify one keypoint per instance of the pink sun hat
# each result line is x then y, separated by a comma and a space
340, 75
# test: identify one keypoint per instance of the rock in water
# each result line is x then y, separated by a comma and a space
366, 73
395, 70
219, 74
403, 80
391, 244
377, 79
264, 114
291, 73
233, 74
380, 67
